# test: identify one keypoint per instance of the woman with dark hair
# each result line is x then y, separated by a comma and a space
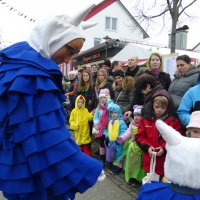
147, 85
155, 68
185, 78
124, 90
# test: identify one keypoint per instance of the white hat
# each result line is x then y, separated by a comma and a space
194, 120
183, 157
52, 33
74, 72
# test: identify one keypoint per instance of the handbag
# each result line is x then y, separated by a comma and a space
151, 176
110, 152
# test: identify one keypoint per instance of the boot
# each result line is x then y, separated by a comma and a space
102, 152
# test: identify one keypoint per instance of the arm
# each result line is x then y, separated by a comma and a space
125, 136
96, 117
73, 122
185, 108
123, 127
141, 137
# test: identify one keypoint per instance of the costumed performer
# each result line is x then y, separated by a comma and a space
38, 159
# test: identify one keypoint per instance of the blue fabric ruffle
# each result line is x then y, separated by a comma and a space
38, 159
163, 191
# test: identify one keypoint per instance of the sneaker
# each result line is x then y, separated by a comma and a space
115, 170
134, 182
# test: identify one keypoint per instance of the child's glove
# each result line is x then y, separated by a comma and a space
124, 118
96, 126
119, 140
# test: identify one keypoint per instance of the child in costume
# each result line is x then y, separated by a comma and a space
39, 159
148, 137
79, 123
100, 121
181, 167
132, 153
116, 128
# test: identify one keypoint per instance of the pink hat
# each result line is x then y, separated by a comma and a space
194, 120
104, 93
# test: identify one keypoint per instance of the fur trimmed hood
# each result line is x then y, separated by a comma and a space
183, 157
128, 83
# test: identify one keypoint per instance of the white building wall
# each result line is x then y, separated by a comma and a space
124, 28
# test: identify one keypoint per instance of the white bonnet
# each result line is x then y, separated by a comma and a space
52, 33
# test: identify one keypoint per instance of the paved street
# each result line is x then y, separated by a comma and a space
112, 188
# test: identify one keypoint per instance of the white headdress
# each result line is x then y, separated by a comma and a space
183, 157
52, 33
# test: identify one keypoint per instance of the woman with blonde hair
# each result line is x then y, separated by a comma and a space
102, 83
86, 89
155, 68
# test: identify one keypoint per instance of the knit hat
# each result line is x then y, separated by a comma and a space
107, 63
118, 73
104, 93
52, 33
194, 120
183, 157
137, 109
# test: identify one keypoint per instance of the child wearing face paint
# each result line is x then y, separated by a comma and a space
116, 128
148, 137
78, 120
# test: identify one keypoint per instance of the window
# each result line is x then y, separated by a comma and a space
111, 23
97, 41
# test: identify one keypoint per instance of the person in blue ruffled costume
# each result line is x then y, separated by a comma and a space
181, 168
38, 158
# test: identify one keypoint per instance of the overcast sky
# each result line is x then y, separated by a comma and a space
14, 27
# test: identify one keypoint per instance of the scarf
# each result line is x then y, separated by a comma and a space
113, 130
103, 118
155, 72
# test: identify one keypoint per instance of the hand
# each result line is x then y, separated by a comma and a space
151, 150
124, 118
128, 113
66, 94
160, 151
96, 126
119, 140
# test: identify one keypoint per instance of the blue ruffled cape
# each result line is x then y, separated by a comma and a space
38, 159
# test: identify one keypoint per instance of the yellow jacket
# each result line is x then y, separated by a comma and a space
78, 120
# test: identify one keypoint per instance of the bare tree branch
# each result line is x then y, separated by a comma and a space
187, 7
169, 6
